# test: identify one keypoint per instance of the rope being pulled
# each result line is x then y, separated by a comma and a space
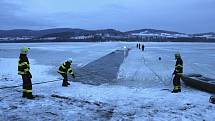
8, 87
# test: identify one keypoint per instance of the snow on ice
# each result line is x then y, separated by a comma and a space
140, 93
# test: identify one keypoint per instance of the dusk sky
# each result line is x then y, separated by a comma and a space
189, 16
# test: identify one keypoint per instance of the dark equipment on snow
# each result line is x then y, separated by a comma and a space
159, 58
212, 99
199, 82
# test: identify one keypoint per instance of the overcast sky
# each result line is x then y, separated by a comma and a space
190, 16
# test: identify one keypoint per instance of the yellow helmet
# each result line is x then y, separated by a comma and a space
24, 50
177, 55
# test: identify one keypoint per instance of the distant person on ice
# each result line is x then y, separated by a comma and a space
24, 71
64, 69
177, 73
143, 47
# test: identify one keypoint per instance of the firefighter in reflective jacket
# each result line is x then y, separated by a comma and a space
177, 73
24, 71
64, 69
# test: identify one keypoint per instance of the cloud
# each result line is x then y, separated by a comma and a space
10, 18
177, 15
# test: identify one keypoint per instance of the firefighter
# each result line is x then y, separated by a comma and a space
64, 69
24, 71
177, 73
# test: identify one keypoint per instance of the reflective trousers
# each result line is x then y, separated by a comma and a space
27, 85
65, 79
177, 82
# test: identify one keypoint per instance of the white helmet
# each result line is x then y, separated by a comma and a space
70, 60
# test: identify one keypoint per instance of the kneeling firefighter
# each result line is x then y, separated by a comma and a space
24, 71
177, 73
64, 69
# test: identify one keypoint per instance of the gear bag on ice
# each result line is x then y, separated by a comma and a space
212, 99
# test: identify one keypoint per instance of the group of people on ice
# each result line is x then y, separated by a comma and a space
24, 71
65, 68
139, 46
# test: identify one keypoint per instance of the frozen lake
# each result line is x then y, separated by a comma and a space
136, 95
144, 68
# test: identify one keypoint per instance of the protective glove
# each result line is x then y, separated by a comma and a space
29, 75
73, 75
174, 73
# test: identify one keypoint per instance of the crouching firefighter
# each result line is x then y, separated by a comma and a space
64, 69
24, 71
177, 73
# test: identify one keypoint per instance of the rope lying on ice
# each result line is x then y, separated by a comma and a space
160, 78
9, 87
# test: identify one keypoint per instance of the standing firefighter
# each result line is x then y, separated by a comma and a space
177, 73
24, 71
64, 69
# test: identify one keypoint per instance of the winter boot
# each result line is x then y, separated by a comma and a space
176, 91
30, 96
24, 94
65, 85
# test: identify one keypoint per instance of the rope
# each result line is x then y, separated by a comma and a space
9, 87
80, 76
156, 73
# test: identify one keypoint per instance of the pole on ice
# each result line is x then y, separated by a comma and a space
125, 48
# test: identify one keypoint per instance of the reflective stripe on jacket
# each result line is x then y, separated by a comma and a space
65, 67
179, 66
23, 65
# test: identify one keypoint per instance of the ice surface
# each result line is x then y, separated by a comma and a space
143, 68
10, 77
141, 92
45, 58
55, 53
